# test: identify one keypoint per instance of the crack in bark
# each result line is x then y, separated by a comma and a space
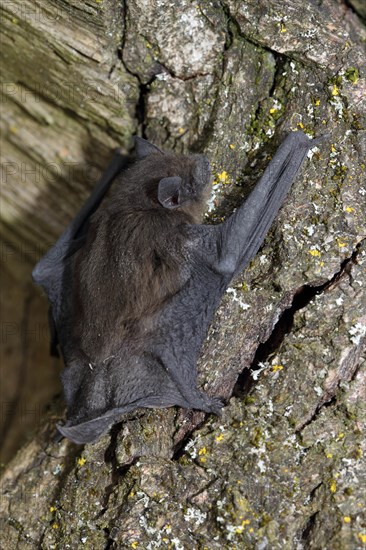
349, 5
322, 405
280, 61
203, 489
111, 458
306, 534
251, 40
144, 87
301, 299
181, 440
140, 108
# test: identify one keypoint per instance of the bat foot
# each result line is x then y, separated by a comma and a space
216, 405
210, 404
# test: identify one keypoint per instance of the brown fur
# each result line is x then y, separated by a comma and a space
135, 252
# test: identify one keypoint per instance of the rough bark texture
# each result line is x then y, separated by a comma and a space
283, 467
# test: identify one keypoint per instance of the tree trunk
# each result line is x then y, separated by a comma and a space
282, 468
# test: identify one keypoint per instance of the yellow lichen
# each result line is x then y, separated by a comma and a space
232, 146
362, 537
314, 252
202, 451
55, 525
134, 544
333, 486
335, 90
223, 177
349, 209
346, 519
219, 437
81, 461
276, 368
300, 125
283, 28
329, 455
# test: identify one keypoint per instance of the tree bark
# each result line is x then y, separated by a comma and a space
283, 467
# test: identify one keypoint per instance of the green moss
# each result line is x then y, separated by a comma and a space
336, 80
339, 173
249, 399
352, 75
256, 437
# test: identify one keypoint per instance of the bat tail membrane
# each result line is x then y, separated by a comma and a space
89, 431
242, 234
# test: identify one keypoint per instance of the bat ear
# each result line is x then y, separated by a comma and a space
169, 192
144, 148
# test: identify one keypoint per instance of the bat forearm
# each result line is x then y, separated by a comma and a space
243, 233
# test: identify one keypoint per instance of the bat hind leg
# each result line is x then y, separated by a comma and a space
206, 403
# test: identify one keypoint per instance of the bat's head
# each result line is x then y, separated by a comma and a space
173, 182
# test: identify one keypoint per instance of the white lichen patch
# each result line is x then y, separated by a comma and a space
262, 367
293, 68
195, 515
310, 230
357, 332
144, 497
338, 105
312, 151
177, 544
236, 298
191, 447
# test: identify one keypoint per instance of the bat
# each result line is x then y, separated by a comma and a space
134, 281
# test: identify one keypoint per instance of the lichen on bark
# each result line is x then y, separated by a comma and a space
283, 467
